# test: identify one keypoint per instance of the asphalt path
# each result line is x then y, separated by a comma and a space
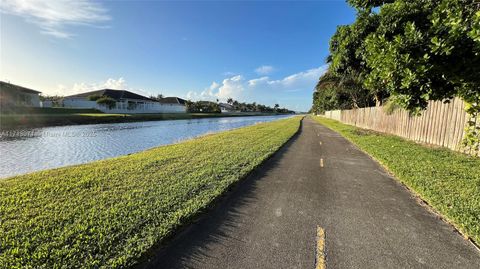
318, 180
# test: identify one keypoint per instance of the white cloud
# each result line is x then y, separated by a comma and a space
116, 84
210, 93
228, 74
258, 81
262, 89
111, 83
264, 69
55, 15
231, 88
301, 80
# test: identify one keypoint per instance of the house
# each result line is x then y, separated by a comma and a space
12, 95
226, 108
174, 104
124, 102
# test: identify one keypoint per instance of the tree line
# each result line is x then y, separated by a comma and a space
236, 106
404, 53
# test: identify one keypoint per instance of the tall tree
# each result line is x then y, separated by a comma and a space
413, 50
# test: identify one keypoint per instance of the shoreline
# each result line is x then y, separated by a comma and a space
178, 140
111, 213
25, 121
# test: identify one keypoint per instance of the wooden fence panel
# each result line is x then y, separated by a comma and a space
440, 124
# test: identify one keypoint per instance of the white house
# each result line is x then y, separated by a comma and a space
173, 105
12, 95
226, 108
125, 102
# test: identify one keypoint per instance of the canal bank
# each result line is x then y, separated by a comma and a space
22, 121
109, 213
272, 219
52, 147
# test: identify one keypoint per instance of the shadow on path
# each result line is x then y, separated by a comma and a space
215, 225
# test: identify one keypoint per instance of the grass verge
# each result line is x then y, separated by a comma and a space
109, 213
448, 181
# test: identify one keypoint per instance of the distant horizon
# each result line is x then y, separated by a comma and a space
133, 91
192, 50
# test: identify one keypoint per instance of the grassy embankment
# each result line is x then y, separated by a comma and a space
110, 213
64, 116
447, 180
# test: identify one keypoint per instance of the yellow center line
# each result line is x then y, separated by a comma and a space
321, 162
320, 261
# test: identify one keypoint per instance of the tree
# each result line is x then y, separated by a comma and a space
55, 99
230, 101
157, 98
107, 101
202, 106
94, 97
413, 51
340, 92
368, 4
347, 49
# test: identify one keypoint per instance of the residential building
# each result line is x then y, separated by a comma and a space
12, 96
125, 102
173, 104
226, 108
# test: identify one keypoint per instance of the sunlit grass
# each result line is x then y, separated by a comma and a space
109, 213
447, 180
102, 115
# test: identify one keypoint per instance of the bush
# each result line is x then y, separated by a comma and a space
94, 97
107, 101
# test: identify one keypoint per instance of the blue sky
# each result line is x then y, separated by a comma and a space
264, 51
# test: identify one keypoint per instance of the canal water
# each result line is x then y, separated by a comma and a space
24, 151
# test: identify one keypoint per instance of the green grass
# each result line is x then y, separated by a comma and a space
447, 180
46, 110
110, 213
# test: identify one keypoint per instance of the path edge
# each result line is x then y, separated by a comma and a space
151, 256
422, 202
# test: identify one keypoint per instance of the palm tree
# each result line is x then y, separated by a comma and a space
230, 101
235, 104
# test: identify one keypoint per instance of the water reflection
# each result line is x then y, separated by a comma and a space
43, 148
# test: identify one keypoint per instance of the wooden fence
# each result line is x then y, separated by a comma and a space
441, 124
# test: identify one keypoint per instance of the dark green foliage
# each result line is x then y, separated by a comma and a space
368, 4
56, 99
107, 101
94, 97
211, 107
325, 100
414, 51
340, 92
347, 68
202, 106
157, 98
